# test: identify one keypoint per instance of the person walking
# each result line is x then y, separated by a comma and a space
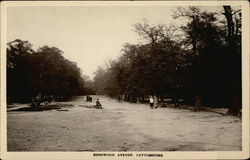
151, 102
119, 98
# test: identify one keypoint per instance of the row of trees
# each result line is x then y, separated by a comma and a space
44, 72
199, 62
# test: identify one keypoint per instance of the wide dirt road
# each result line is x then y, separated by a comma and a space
121, 127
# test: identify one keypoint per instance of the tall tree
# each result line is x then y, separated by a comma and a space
18, 66
234, 51
44, 72
204, 36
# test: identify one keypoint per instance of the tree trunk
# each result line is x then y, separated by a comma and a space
197, 102
234, 106
230, 24
235, 84
235, 100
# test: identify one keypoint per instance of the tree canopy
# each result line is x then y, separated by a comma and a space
194, 62
44, 71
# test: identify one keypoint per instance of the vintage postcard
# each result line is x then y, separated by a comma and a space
103, 80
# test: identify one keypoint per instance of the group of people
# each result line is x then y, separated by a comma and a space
151, 102
98, 105
37, 100
88, 98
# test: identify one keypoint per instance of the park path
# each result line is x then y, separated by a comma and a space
121, 127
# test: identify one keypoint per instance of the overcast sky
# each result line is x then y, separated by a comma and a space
86, 35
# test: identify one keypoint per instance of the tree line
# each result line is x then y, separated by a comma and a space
199, 62
45, 73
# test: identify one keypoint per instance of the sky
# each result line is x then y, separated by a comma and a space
88, 35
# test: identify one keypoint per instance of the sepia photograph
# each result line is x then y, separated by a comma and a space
125, 80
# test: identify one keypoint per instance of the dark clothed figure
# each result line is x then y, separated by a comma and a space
119, 98
98, 104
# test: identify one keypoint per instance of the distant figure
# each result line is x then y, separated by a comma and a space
151, 102
119, 98
176, 102
35, 101
50, 98
98, 104
89, 99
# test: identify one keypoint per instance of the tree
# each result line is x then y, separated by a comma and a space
206, 40
18, 57
234, 51
104, 80
44, 72
166, 56
145, 69
55, 75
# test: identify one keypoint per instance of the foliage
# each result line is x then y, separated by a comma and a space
45, 72
195, 62
144, 69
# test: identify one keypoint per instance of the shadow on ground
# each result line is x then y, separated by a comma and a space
43, 108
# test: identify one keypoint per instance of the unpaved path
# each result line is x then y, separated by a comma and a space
121, 127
